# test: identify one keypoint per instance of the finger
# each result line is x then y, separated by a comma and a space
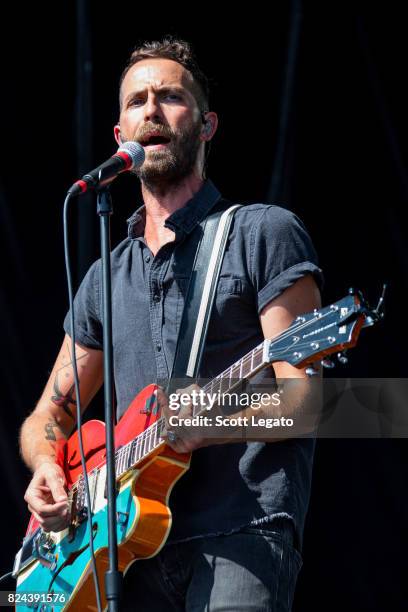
54, 525
185, 411
58, 510
52, 478
56, 484
166, 431
161, 397
46, 510
51, 523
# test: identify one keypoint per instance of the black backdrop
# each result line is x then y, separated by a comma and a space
312, 106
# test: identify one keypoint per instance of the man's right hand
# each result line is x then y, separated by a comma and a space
47, 498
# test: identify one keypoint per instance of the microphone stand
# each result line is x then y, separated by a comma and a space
113, 577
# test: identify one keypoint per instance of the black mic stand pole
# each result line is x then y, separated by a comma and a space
113, 577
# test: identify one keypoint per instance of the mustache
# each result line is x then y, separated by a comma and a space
160, 129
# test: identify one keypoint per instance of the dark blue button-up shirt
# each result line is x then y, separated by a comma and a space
227, 486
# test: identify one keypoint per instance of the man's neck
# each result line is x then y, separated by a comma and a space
162, 202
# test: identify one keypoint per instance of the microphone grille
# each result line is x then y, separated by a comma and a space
136, 152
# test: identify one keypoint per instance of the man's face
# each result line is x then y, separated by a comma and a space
159, 110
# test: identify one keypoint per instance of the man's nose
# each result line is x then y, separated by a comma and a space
152, 109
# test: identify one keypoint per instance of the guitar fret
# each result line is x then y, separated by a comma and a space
230, 377
127, 456
235, 370
149, 442
133, 453
143, 444
258, 357
121, 461
246, 367
137, 449
119, 465
217, 388
117, 458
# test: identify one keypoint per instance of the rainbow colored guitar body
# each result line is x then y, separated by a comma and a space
59, 563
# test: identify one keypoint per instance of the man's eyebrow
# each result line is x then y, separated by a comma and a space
164, 89
171, 89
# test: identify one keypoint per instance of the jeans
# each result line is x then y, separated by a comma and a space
253, 570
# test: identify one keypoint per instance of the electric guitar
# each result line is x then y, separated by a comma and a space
58, 565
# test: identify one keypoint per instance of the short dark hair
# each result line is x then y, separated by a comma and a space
179, 51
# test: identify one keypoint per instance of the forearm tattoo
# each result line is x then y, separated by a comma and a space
64, 400
49, 430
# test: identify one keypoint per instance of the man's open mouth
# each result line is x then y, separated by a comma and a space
154, 140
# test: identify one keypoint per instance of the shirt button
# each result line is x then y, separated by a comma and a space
156, 297
158, 347
147, 258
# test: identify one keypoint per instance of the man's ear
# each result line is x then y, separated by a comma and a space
116, 133
210, 124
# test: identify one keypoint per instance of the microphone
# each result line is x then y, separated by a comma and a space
129, 155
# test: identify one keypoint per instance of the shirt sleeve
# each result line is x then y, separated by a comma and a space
87, 321
281, 253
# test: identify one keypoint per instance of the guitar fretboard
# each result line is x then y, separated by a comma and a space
129, 455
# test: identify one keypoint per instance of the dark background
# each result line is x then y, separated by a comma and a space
312, 103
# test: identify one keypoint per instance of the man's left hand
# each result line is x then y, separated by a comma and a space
180, 437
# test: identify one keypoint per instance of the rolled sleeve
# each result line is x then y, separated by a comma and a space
281, 253
88, 326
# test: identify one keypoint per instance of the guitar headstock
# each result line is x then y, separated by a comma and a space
332, 329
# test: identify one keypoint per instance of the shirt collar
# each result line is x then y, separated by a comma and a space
183, 220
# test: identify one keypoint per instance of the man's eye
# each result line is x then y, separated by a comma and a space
136, 102
173, 97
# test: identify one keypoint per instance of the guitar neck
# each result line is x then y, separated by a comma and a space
148, 441
243, 369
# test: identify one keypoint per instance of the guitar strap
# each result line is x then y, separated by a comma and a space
201, 293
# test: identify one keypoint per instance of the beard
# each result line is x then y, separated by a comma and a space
168, 166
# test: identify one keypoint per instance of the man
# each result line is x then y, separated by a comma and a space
238, 513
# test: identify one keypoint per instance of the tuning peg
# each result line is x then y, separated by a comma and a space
310, 371
342, 358
327, 363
